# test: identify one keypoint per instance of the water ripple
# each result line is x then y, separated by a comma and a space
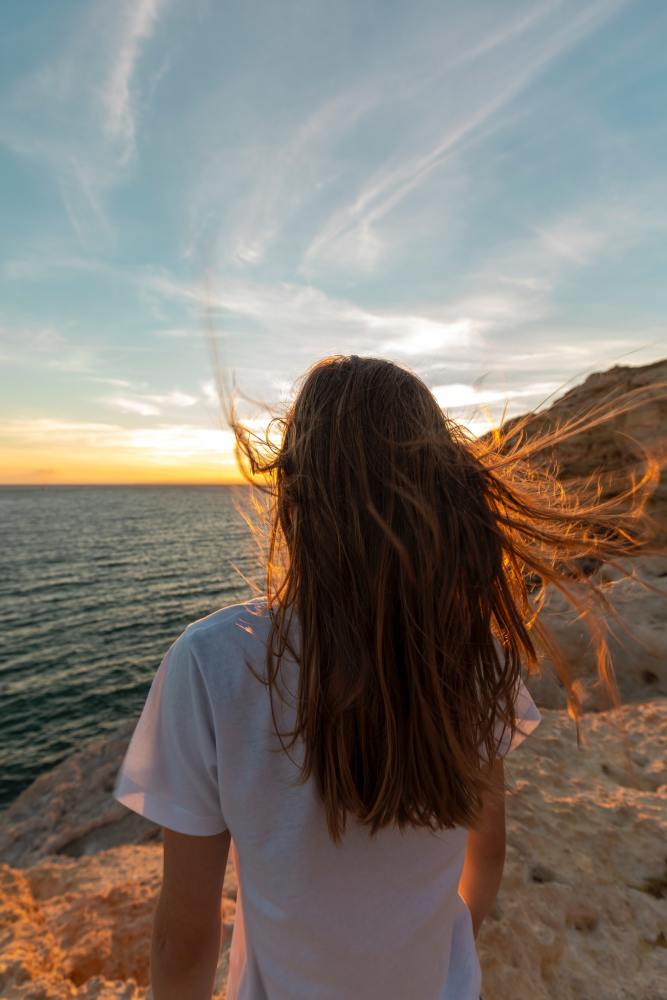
95, 584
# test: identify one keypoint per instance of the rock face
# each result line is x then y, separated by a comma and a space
581, 915
69, 810
614, 446
637, 640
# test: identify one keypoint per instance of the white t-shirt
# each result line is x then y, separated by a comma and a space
379, 919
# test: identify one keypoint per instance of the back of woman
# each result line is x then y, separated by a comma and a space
388, 649
367, 918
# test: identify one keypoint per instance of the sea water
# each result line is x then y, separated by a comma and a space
95, 584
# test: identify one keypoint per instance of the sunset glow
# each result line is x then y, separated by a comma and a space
498, 228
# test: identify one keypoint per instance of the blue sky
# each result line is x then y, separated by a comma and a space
477, 191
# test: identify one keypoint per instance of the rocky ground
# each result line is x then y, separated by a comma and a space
582, 913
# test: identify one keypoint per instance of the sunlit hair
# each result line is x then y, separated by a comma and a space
416, 559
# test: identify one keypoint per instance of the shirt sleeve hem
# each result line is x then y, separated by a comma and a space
527, 719
159, 810
525, 727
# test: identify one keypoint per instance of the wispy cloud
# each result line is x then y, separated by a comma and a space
397, 94
75, 114
137, 406
166, 442
295, 172
140, 18
290, 309
38, 265
121, 383
458, 395
209, 392
520, 277
151, 404
38, 430
573, 240
423, 336
349, 236
45, 346
176, 331
37, 339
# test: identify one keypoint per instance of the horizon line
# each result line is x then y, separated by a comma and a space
234, 482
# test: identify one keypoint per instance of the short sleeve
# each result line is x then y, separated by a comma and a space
527, 718
169, 773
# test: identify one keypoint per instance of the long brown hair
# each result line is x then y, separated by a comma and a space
416, 559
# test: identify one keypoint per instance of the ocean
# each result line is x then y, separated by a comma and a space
95, 584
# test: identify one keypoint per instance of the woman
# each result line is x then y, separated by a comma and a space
406, 566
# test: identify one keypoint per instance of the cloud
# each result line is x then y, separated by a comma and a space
349, 238
37, 339
608, 225
38, 266
520, 277
175, 443
139, 23
143, 409
385, 127
423, 336
121, 383
45, 346
182, 442
295, 173
291, 309
176, 331
39, 430
479, 409
209, 392
151, 404
75, 114
572, 240
459, 395
178, 399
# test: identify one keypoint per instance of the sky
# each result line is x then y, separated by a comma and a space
475, 191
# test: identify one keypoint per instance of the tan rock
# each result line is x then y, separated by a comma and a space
70, 810
29, 955
82, 927
638, 648
615, 446
581, 914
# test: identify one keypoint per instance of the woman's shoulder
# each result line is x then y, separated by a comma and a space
231, 616
226, 637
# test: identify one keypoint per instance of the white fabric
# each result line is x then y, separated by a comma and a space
373, 918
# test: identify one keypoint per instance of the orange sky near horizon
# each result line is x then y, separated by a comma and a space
60, 466
45, 451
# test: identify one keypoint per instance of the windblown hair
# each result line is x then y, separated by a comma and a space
416, 559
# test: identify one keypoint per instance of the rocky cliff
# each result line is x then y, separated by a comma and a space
614, 448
